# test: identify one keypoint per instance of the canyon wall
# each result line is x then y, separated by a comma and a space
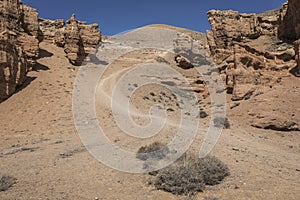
21, 30
247, 49
18, 44
289, 27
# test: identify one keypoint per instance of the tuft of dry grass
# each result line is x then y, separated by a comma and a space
6, 182
154, 151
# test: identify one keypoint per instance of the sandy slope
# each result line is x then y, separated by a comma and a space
40, 147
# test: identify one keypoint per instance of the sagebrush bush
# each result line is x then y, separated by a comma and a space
190, 174
154, 151
221, 122
6, 182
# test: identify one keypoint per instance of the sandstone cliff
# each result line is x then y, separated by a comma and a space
247, 50
18, 44
254, 52
289, 27
21, 30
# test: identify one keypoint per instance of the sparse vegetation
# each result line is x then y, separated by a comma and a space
23, 149
202, 114
170, 110
6, 182
210, 198
162, 60
190, 174
70, 153
154, 151
221, 122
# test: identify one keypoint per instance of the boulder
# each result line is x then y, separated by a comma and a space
183, 62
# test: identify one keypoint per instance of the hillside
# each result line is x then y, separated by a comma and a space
40, 146
77, 108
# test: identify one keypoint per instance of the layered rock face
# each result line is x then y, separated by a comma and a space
49, 28
289, 29
297, 57
247, 49
253, 53
18, 44
77, 38
13, 65
20, 33
73, 42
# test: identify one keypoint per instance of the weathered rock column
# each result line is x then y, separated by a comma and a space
297, 57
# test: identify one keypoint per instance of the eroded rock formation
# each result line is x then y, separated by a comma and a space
289, 28
20, 33
247, 49
297, 57
49, 28
253, 51
73, 42
77, 38
18, 44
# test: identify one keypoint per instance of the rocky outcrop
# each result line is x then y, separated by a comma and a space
276, 110
30, 24
289, 28
77, 38
20, 33
246, 48
49, 28
13, 65
297, 57
90, 35
73, 42
18, 44
29, 39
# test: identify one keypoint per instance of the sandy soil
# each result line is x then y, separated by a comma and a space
41, 148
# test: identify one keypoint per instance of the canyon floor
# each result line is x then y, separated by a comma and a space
41, 148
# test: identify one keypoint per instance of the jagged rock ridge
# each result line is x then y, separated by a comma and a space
21, 30
77, 38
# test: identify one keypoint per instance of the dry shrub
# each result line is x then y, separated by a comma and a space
6, 182
154, 151
221, 122
190, 174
